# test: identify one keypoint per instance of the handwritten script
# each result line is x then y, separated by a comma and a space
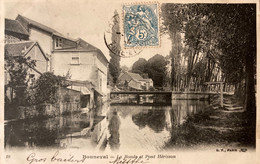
34, 158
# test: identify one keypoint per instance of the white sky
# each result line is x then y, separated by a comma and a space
86, 19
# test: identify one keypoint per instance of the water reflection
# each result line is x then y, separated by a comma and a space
142, 99
115, 127
181, 109
155, 119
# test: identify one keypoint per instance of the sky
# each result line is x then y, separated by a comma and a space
87, 19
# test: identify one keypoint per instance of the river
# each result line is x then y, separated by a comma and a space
111, 127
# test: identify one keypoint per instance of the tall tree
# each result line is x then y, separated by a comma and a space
156, 70
238, 45
18, 71
114, 63
222, 32
174, 16
140, 66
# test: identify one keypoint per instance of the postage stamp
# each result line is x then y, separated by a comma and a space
141, 25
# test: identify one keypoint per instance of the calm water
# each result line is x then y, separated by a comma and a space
110, 127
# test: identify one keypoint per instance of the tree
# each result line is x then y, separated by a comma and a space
238, 44
219, 32
17, 68
114, 63
124, 68
156, 70
174, 16
139, 66
46, 88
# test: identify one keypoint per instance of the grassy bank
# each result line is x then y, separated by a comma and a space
215, 126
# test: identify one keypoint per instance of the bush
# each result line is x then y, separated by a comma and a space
46, 88
151, 89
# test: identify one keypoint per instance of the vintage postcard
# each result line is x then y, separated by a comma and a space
129, 82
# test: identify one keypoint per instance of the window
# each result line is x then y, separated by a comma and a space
75, 60
58, 42
31, 76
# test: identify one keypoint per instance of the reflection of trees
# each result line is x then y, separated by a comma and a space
113, 127
175, 113
160, 98
155, 119
31, 134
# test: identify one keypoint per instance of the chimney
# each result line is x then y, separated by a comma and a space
68, 34
25, 48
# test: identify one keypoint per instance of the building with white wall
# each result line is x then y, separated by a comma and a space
80, 59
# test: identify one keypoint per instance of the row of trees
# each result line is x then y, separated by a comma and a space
219, 45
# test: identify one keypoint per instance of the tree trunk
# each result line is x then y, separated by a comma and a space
250, 101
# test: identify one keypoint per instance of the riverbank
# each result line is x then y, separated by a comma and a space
228, 127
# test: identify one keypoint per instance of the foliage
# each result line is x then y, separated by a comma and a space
63, 81
67, 98
225, 34
114, 65
139, 66
151, 88
46, 88
18, 68
154, 68
124, 68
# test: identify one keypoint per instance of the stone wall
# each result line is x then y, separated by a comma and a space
68, 102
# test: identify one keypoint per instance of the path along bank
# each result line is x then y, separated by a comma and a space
227, 127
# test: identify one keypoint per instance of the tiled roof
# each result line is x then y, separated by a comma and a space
15, 26
132, 85
19, 48
83, 90
135, 76
40, 26
147, 80
82, 46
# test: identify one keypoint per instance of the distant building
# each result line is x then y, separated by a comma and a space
146, 83
134, 81
134, 84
